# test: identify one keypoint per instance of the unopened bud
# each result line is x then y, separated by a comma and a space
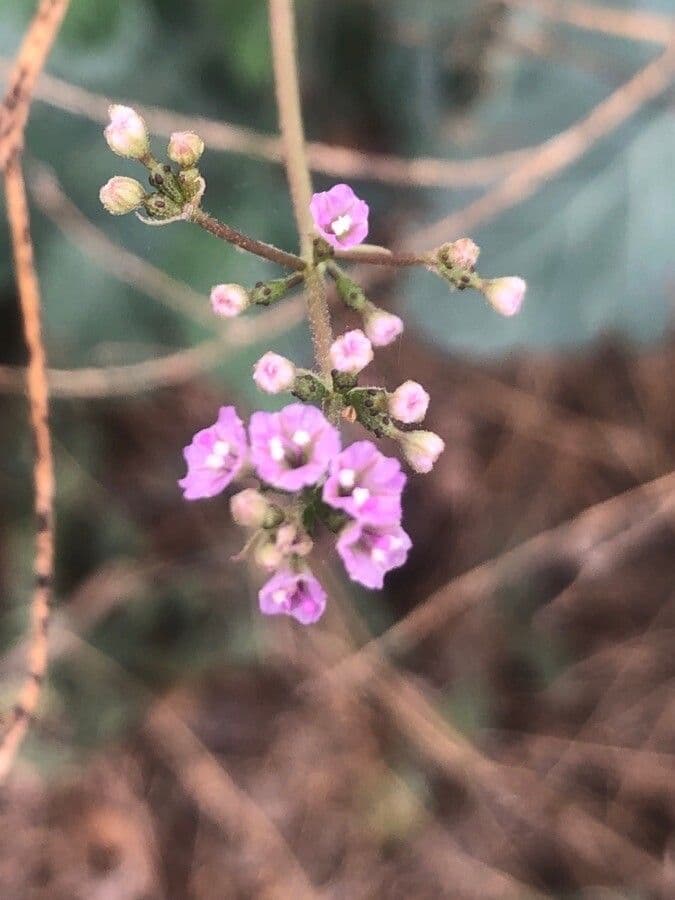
505, 294
126, 134
381, 327
274, 373
185, 148
351, 352
229, 300
121, 195
350, 292
408, 403
421, 449
461, 254
251, 509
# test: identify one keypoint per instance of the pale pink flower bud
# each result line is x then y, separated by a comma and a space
268, 556
121, 195
185, 148
505, 294
351, 352
381, 327
126, 134
273, 373
421, 449
462, 254
408, 403
229, 300
249, 508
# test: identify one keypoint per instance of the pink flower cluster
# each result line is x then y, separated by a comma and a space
292, 451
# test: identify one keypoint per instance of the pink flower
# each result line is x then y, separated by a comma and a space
351, 352
121, 195
296, 594
365, 484
126, 134
369, 552
215, 457
273, 373
340, 216
293, 448
505, 294
421, 449
185, 148
381, 327
229, 300
408, 403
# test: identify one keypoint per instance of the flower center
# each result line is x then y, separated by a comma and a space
279, 597
341, 225
347, 479
361, 495
301, 438
276, 449
217, 456
378, 555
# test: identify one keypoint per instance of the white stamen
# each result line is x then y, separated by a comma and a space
276, 449
279, 597
302, 438
377, 555
361, 495
347, 478
341, 225
221, 448
214, 461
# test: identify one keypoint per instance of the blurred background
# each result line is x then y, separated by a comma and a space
522, 747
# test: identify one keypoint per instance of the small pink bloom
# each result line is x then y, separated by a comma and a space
229, 300
296, 594
365, 484
185, 148
421, 449
215, 457
408, 403
381, 327
121, 195
293, 448
351, 352
505, 294
249, 508
463, 254
369, 552
340, 216
126, 134
273, 373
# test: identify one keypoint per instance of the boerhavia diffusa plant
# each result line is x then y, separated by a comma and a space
305, 479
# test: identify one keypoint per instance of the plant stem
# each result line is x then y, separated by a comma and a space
251, 245
282, 32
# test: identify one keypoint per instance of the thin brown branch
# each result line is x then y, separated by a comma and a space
287, 88
634, 24
43, 472
339, 162
245, 242
13, 117
29, 62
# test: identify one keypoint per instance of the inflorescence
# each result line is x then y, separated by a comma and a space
300, 477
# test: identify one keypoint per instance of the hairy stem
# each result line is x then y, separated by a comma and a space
251, 245
282, 31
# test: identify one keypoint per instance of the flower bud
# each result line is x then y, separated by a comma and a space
349, 291
121, 195
268, 556
126, 134
505, 294
229, 300
421, 449
250, 509
408, 403
461, 254
267, 292
273, 373
351, 352
185, 148
381, 327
